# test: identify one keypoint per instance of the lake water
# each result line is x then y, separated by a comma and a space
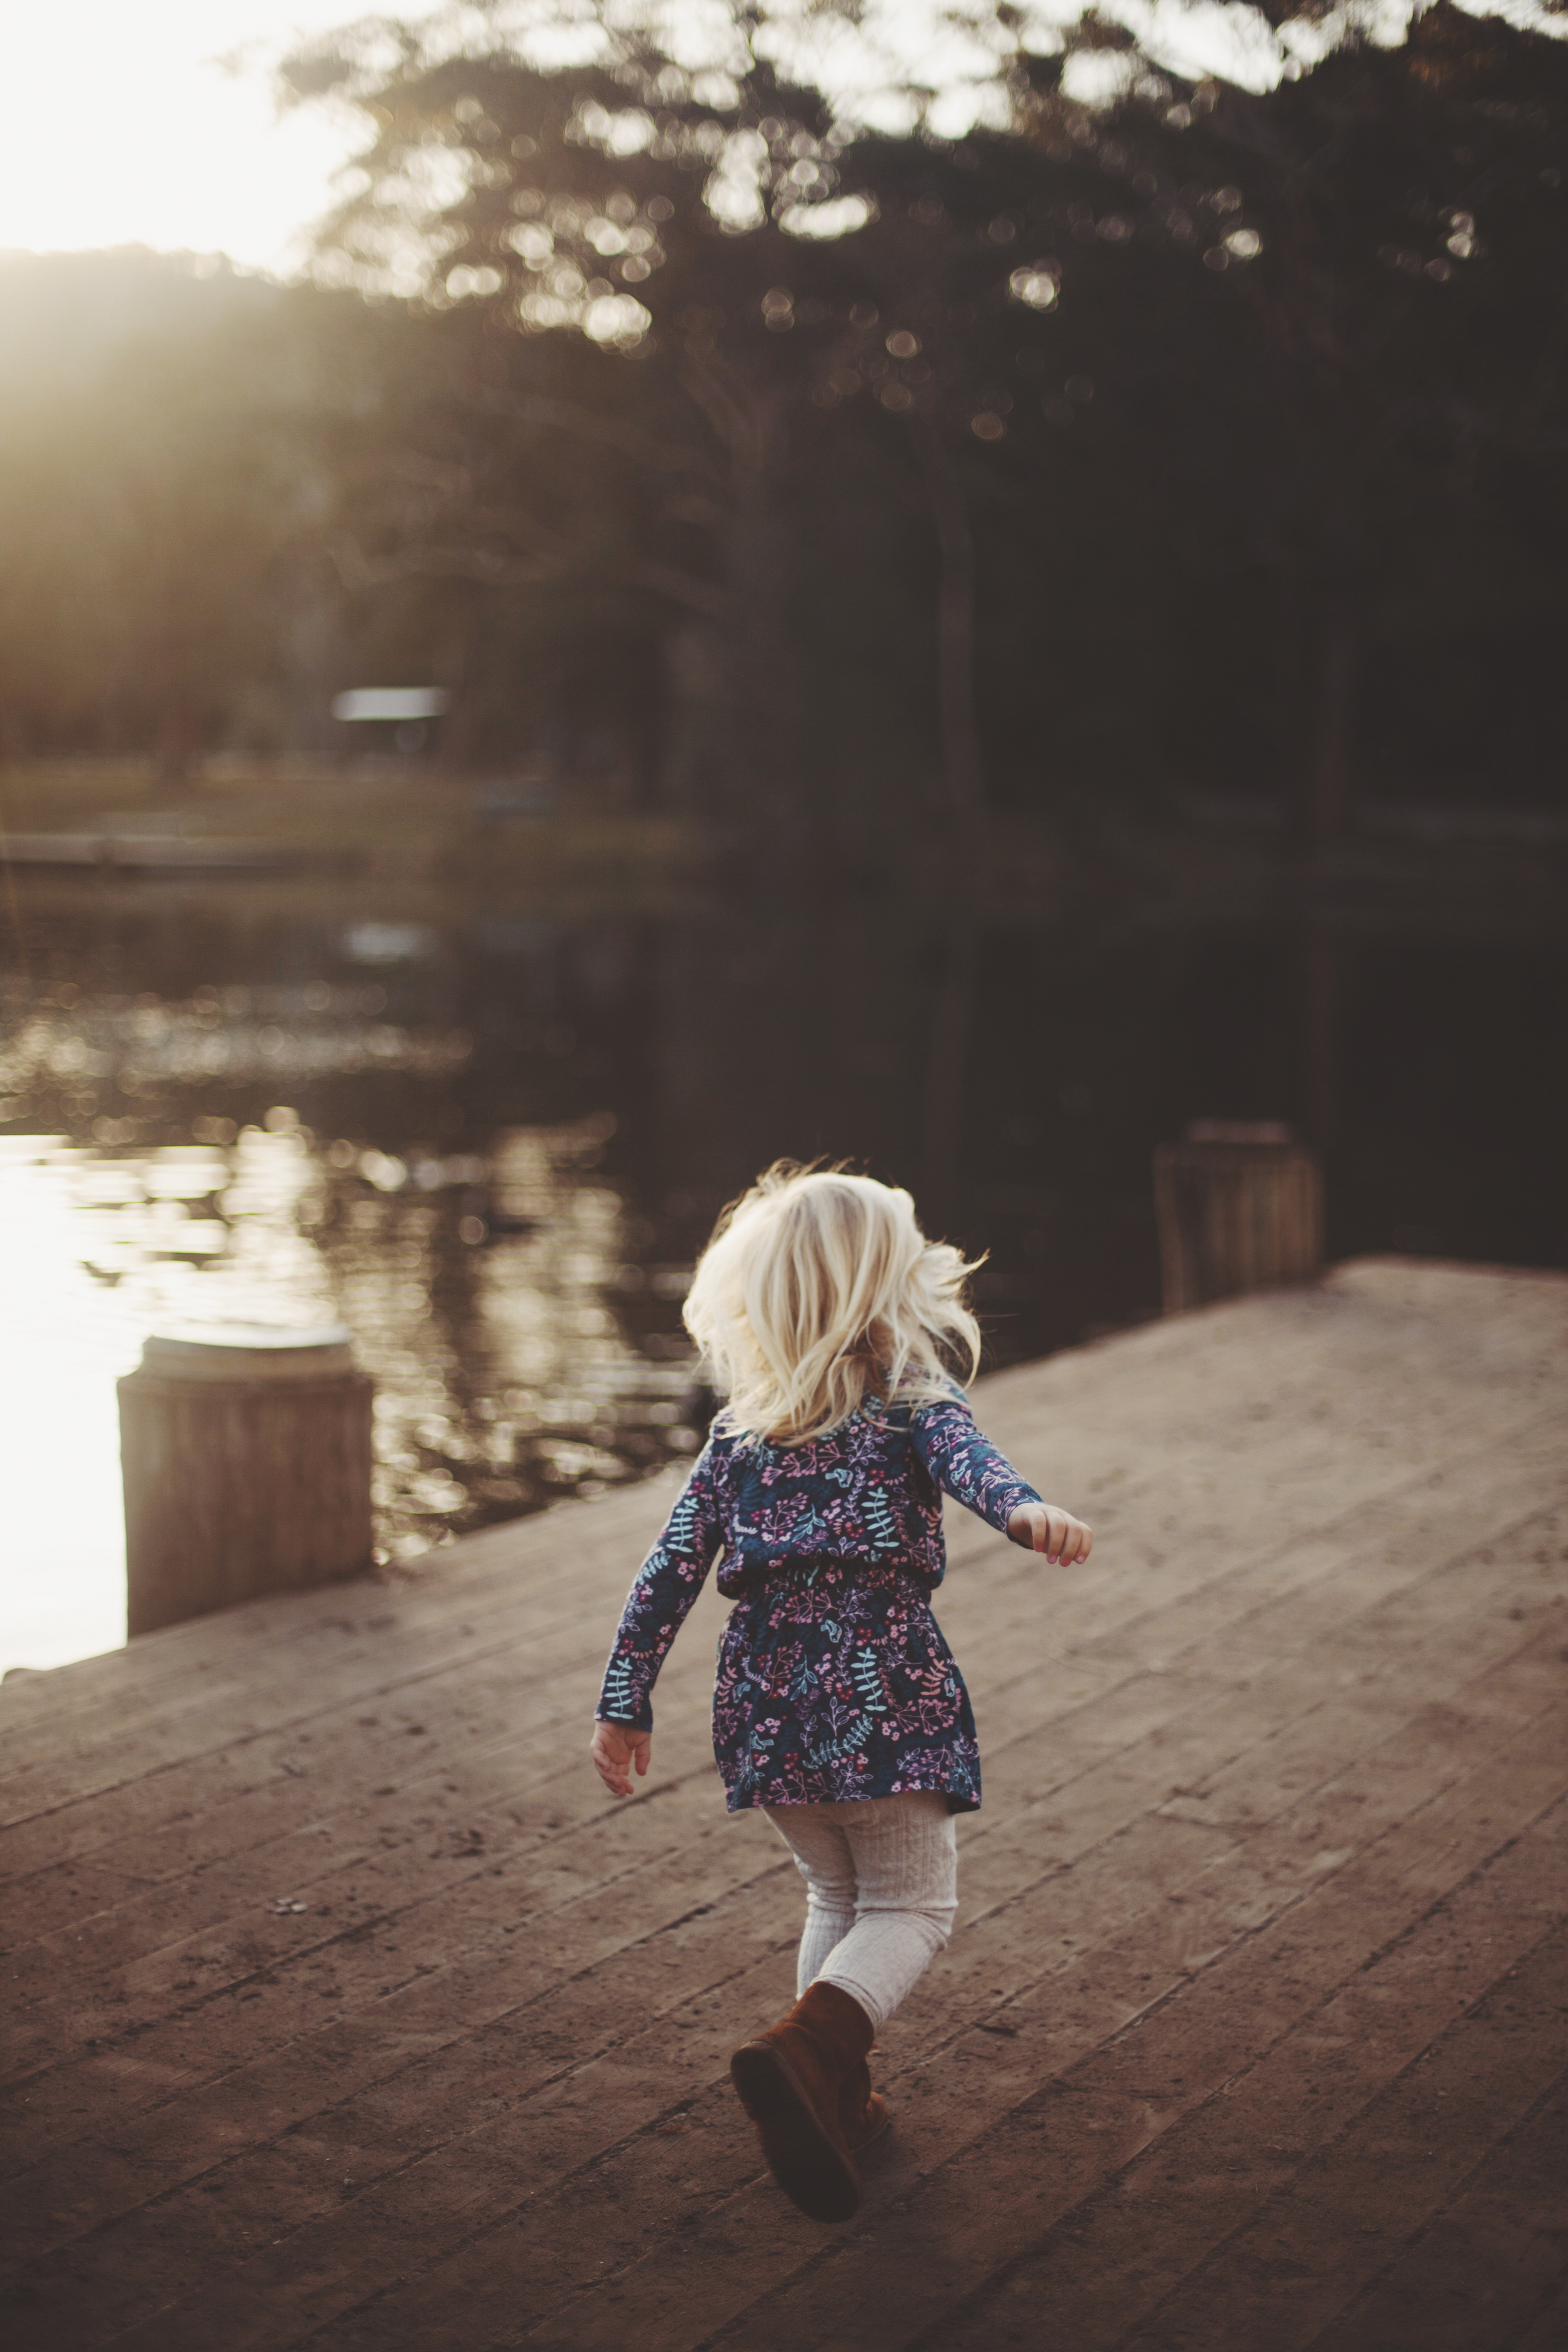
492, 1144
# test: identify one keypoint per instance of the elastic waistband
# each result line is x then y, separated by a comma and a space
803, 1569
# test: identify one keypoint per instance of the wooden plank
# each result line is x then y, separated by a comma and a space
1287, 1719
1478, 2274
1547, 2329
360, 1761
1386, 2172
1429, 1417
375, 1655
903, 2276
1118, 1880
123, 1937
481, 1570
1156, 1702
680, 2288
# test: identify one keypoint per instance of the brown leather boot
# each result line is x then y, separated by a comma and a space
792, 2081
862, 2111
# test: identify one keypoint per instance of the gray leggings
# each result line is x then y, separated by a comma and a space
881, 1887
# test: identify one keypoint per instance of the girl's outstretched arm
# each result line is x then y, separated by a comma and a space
966, 1465
663, 1590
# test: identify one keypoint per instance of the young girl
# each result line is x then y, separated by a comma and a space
830, 1321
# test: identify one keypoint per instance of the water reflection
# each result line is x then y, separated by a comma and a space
489, 1138
90, 1050
521, 1349
62, 1573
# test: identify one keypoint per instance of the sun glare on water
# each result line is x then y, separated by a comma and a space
64, 1568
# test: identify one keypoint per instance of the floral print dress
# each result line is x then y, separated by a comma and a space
834, 1679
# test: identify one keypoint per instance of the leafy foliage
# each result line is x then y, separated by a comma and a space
1195, 437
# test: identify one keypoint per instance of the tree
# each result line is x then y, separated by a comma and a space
787, 276
164, 462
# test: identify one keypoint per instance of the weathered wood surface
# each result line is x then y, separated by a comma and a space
1235, 1216
1251, 2033
239, 1488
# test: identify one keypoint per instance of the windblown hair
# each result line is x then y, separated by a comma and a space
818, 1292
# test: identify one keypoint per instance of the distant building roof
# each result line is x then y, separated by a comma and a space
390, 702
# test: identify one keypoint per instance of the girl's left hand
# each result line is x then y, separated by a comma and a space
1046, 1526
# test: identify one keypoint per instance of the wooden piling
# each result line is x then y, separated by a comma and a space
1239, 1207
246, 1455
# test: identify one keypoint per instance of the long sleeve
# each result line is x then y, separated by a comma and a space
965, 1464
663, 1590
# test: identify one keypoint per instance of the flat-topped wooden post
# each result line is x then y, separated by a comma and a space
1239, 1207
246, 1455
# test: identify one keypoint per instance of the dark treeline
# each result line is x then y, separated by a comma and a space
1197, 439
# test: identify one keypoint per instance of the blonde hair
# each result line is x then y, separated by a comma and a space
818, 1292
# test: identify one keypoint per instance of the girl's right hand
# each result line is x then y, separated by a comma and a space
1046, 1526
615, 1748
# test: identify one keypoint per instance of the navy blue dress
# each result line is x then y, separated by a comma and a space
834, 1680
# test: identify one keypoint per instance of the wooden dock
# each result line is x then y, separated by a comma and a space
345, 2010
